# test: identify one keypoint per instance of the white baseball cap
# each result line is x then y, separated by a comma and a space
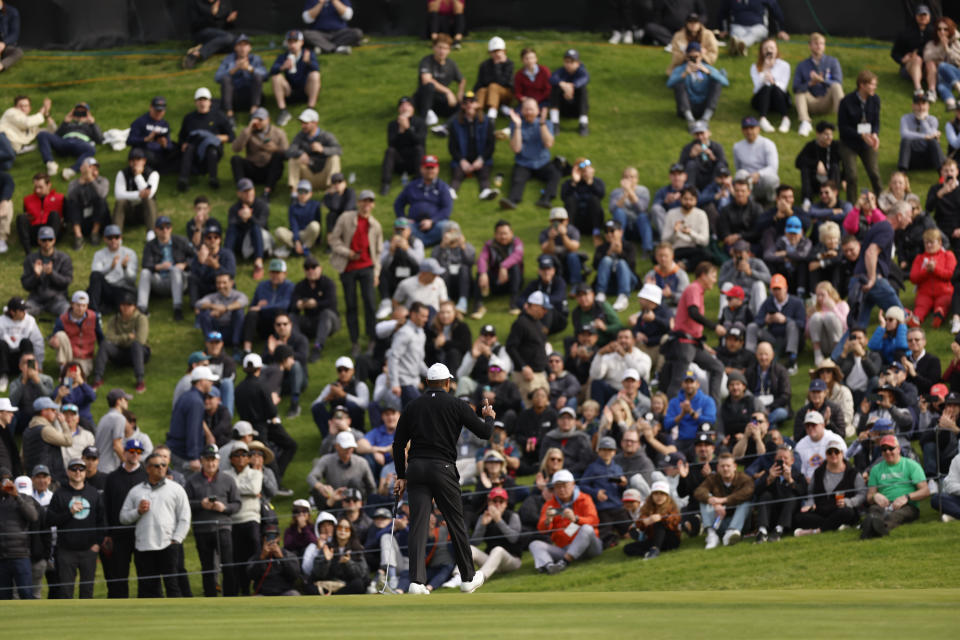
345, 440
438, 371
343, 361
834, 441
24, 484
252, 360
813, 417
244, 428
540, 298
651, 292
561, 476
630, 373
203, 373
496, 43
202, 92
660, 485
559, 213
309, 115
6, 405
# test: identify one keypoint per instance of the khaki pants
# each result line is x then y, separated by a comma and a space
308, 235
493, 95
320, 181
826, 104
65, 354
6, 217
136, 209
539, 382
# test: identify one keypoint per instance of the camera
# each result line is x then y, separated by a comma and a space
271, 536
79, 112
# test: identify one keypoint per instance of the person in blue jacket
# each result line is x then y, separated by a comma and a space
428, 201
471, 147
604, 480
151, 132
270, 298
696, 86
890, 338
780, 320
240, 76
568, 92
689, 410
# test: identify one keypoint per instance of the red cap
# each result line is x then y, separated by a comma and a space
430, 161
498, 492
778, 281
889, 441
736, 291
939, 390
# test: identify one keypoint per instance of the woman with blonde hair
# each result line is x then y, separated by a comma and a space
693, 31
827, 321
617, 418
826, 260
897, 190
551, 463
771, 78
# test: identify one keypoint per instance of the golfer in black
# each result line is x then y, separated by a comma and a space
432, 424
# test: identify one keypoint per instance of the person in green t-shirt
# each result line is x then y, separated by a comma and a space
895, 486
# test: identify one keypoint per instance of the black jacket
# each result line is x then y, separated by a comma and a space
432, 425
119, 483
851, 114
17, 513
254, 404
80, 531
153, 253
46, 285
213, 121
489, 72
526, 344
260, 215
928, 373
836, 423
324, 291
275, 576
779, 385
743, 220
576, 446
410, 141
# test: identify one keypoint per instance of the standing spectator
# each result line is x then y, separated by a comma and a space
110, 432
76, 333
751, 21
405, 360
19, 335
908, 50
42, 208
85, 208
696, 87
582, 197
222, 310
771, 77
919, 138
858, 120
209, 21
526, 345
202, 135
161, 511
118, 546
817, 84
758, 157
327, 30
245, 523
186, 435
728, 489
165, 259
288, 349
494, 86
44, 438
125, 339
314, 154
406, 142
47, 273
247, 226
151, 132
10, 53
895, 487
532, 80
427, 202
240, 76
265, 146
471, 146
353, 244
531, 138
18, 511
77, 135
436, 74
569, 92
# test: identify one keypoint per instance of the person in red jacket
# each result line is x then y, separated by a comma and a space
43, 207
931, 272
532, 80
571, 519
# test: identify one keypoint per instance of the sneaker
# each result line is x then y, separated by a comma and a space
4, 247
761, 537
284, 492
417, 589
454, 581
294, 411
283, 117
141, 387
515, 311
950, 104
439, 130
616, 37
932, 484
947, 518
473, 585
765, 125
792, 369
843, 527
453, 194
556, 567
68, 174
931, 96
955, 325
784, 125
507, 203
628, 36
808, 532
457, 45
502, 134
343, 50
805, 128
479, 313
461, 305
601, 297
731, 538
281, 251
4, 383
776, 535
491, 114
543, 203
52, 168
713, 540
584, 129
489, 194
653, 553
431, 118
177, 314
385, 309
621, 303
315, 354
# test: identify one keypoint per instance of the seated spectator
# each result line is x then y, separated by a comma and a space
471, 146
789, 255
499, 267
326, 27
819, 162
448, 336
614, 261
436, 74
571, 518
921, 366
474, 366
113, 273
747, 272
400, 258
348, 573
295, 77
696, 87
47, 273
19, 336
504, 396
562, 241
270, 299
76, 333
569, 92
77, 135
780, 321
667, 275
908, 48
732, 355
613, 362
738, 220
604, 480
812, 448
737, 410
817, 85
858, 122
629, 205
946, 499
427, 201
377, 444
750, 22
941, 57
693, 30
817, 401
599, 316
771, 77
769, 381
456, 256
314, 154
288, 349
687, 229
6, 202
274, 571
778, 492
582, 197
651, 324
10, 53
759, 158
406, 142
314, 306
151, 132
135, 190
494, 85
725, 502
895, 486
554, 287
532, 80
85, 208
225, 368
838, 493
348, 394
240, 76
733, 311
564, 386
303, 216
657, 524
42, 208
826, 260
248, 226
827, 321
165, 260
426, 287
890, 338
209, 21
919, 138
19, 129
688, 412
125, 340
531, 138
202, 135
898, 188
932, 272
702, 158
221, 311
335, 472
265, 146
499, 527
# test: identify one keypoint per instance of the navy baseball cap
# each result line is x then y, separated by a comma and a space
818, 385
749, 121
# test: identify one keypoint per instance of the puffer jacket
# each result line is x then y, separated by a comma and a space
17, 513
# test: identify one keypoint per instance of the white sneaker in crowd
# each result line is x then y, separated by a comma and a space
453, 194
805, 128
766, 126
417, 589
431, 118
68, 174
385, 309
628, 37
784, 125
731, 537
621, 303
615, 38
955, 325
601, 297
52, 168
713, 540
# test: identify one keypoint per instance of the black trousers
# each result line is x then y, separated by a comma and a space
318, 327
103, 295
428, 481
682, 98
284, 447
578, 106
268, 175
10, 357
482, 176
586, 215
661, 537
397, 161
135, 354
116, 564
246, 544
427, 98
829, 522
328, 41
28, 232
245, 97
154, 566
69, 563
771, 98
777, 513
209, 164
215, 549
350, 280
548, 173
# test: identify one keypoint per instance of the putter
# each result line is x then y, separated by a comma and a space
393, 525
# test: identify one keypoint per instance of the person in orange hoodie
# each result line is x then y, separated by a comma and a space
931, 272
571, 519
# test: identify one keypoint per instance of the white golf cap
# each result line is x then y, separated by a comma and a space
834, 441
630, 373
496, 43
244, 428
438, 371
325, 516
343, 361
309, 115
559, 213
80, 297
202, 92
203, 373
540, 298
345, 440
660, 485
651, 292
813, 417
6, 405
252, 360
561, 476
300, 503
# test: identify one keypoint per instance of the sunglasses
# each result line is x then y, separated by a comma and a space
77, 468
342, 369
158, 465
495, 369
138, 451
886, 449
833, 452
344, 528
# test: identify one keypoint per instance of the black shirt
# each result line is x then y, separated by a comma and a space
526, 344
323, 290
432, 425
213, 121
253, 402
